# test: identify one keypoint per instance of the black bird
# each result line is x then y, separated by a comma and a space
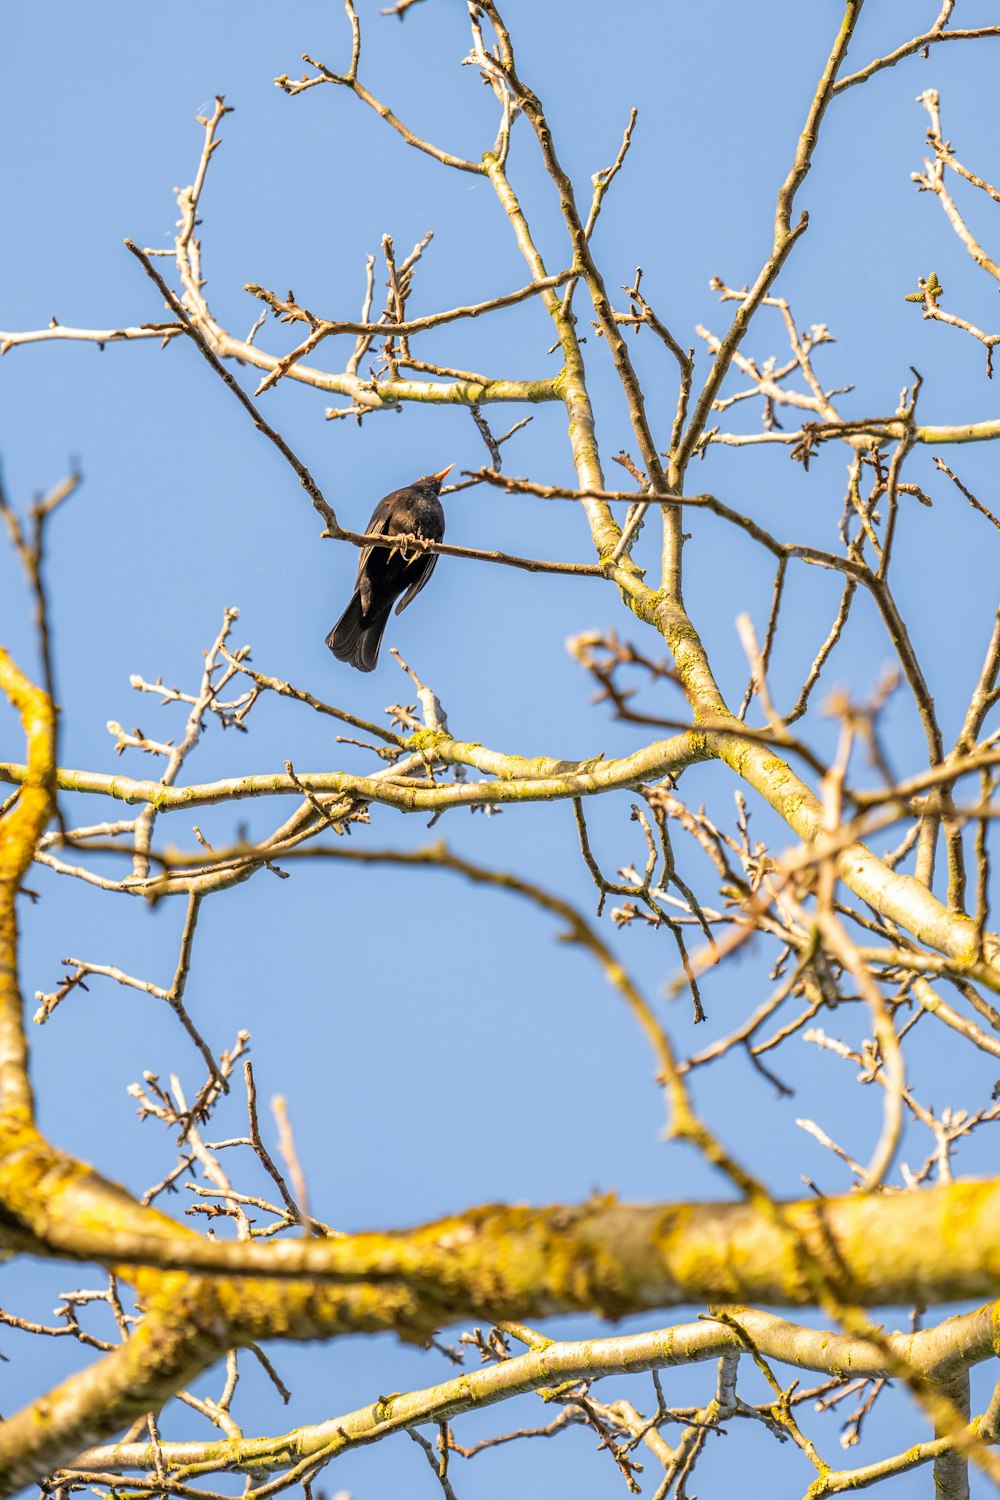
386, 572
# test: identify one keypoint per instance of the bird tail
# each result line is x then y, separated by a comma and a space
355, 639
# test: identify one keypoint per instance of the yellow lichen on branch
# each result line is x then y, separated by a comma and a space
20, 829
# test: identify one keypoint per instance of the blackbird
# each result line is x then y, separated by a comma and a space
386, 572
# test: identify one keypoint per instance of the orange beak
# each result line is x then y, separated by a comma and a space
443, 474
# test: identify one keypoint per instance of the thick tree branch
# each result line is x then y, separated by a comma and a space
549, 1364
20, 827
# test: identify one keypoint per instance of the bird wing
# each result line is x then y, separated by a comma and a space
377, 526
418, 583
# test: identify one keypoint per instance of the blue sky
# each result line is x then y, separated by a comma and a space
437, 1047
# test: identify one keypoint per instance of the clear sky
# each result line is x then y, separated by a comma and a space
437, 1047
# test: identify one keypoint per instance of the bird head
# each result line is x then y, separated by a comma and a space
435, 481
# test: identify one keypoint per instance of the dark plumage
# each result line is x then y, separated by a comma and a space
386, 572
